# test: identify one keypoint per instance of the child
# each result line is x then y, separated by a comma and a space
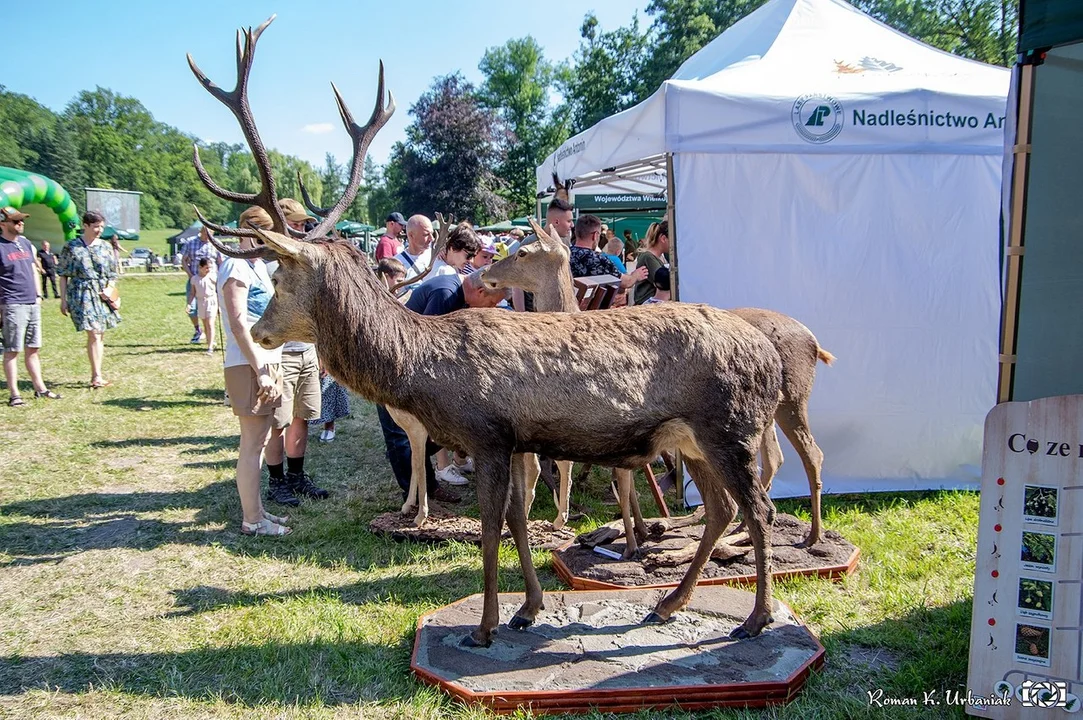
207, 301
391, 271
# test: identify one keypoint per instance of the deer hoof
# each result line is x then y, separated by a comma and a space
518, 622
632, 554
559, 523
655, 619
471, 642
808, 542
408, 508
750, 628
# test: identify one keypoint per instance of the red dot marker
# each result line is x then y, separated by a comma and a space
1000, 481
996, 574
992, 621
997, 527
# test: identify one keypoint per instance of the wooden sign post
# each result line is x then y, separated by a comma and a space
1026, 636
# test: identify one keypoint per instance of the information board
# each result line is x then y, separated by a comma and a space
1026, 637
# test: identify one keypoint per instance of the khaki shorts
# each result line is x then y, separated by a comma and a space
300, 388
242, 388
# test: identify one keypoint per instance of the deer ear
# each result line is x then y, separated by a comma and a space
281, 244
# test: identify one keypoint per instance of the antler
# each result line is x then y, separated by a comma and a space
320, 212
437, 248
362, 138
267, 197
237, 102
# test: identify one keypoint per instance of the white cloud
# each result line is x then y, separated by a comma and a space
318, 128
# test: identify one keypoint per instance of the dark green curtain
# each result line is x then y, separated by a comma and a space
1048, 23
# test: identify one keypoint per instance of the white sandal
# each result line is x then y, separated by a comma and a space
264, 527
281, 520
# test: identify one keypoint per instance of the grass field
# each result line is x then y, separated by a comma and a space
126, 589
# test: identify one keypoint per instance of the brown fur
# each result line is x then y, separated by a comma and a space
530, 377
542, 268
546, 398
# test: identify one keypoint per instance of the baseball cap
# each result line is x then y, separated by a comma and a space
10, 214
294, 211
396, 217
255, 217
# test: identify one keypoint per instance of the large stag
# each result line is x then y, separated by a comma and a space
542, 268
705, 381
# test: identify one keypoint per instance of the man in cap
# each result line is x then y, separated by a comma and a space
296, 217
388, 245
20, 306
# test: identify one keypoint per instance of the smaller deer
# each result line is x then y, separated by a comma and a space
542, 268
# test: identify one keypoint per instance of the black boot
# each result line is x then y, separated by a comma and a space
301, 484
280, 490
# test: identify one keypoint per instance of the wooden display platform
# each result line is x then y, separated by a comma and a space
584, 569
442, 526
588, 651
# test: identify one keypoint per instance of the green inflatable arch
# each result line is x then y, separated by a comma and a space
53, 215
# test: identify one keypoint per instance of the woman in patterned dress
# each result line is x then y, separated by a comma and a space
87, 267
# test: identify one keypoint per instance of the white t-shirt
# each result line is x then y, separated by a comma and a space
257, 282
439, 267
415, 264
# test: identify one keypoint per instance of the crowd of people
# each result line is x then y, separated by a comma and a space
277, 395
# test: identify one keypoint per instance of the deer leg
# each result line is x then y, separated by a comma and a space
793, 417
419, 437
493, 482
530, 468
564, 497
517, 523
759, 512
771, 455
625, 491
719, 510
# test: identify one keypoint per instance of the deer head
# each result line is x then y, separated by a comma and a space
289, 315
532, 267
563, 190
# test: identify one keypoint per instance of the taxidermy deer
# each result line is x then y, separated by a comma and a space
714, 398
542, 269
417, 496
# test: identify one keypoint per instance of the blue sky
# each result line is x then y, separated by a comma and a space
138, 49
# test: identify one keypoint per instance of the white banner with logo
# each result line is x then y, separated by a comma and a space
891, 261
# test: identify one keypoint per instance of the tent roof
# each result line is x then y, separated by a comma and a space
795, 76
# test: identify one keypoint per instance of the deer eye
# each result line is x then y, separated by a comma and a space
274, 282
521, 253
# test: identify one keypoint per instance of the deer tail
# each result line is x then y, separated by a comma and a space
824, 356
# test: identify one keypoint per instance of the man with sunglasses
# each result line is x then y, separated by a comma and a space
20, 306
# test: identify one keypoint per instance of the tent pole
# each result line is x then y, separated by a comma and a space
1020, 167
674, 293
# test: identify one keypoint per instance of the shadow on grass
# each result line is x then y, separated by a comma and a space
146, 404
207, 443
924, 650
348, 672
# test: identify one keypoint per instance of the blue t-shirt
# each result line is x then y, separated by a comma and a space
18, 274
438, 296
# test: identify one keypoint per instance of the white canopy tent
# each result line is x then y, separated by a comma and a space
828, 167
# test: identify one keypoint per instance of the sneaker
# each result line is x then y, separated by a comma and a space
467, 466
301, 484
451, 476
197, 338
444, 495
327, 436
281, 492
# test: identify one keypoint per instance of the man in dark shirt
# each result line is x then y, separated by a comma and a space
586, 261
47, 261
438, 296
20, 307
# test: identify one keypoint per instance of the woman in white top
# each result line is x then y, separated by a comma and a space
253, 379
462, 246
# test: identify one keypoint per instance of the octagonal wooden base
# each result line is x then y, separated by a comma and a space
590, 650
583, 569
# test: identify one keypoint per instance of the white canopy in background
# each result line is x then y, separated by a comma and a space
833, 169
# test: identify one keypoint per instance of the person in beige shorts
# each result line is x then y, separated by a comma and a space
252, 374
